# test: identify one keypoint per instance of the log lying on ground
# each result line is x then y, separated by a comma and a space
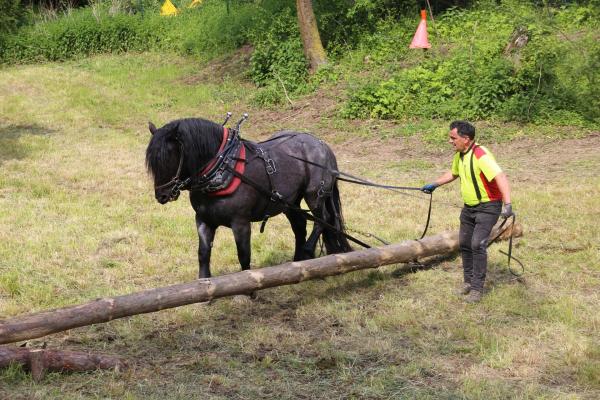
106, 309
38, 361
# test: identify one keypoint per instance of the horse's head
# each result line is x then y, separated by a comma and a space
177, 151
164, 161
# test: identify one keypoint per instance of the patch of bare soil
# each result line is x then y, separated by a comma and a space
231, 66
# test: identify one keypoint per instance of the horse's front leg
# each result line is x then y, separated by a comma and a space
206, 234
241, 234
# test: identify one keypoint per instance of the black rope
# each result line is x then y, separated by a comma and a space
510, 245
361, 181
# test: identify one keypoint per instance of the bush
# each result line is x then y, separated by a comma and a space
554, 78
12, 14
278, 56
205, 31
82, 34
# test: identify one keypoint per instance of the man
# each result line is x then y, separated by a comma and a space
484, 187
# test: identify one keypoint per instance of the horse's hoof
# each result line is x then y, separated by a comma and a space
242, 299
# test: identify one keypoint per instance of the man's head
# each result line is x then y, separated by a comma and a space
461, 135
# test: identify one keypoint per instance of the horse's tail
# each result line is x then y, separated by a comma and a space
335, 241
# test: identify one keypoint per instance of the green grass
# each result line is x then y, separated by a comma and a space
78, 221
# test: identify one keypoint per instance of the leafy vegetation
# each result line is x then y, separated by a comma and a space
471, 75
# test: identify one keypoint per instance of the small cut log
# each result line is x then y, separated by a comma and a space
38, 361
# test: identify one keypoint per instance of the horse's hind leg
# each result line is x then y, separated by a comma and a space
318, 211
298, 222
206, 234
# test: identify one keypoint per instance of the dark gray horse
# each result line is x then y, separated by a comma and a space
180, 153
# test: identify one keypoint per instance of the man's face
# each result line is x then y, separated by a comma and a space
460, 143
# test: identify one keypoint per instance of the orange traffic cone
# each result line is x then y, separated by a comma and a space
420, 40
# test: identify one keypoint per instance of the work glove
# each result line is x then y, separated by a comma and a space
507, 211
429, 188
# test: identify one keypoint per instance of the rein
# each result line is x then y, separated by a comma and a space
361, 181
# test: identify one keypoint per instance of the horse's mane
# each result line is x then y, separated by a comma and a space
200, 138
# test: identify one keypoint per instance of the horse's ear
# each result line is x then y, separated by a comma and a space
152, 128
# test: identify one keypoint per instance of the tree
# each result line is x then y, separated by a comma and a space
311, 40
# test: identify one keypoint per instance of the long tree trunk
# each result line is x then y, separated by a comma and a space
106, 309
311, 40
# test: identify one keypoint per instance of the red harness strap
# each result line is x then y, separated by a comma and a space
240, 167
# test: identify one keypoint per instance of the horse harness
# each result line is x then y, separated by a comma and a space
215, 175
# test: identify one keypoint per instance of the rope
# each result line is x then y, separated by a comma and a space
510, 244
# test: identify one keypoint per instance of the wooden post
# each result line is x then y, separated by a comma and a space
245, 282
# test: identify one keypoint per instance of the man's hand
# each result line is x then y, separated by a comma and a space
429, 188
507, 211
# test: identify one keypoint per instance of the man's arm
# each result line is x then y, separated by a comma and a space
503, 186
442, 180
447, 177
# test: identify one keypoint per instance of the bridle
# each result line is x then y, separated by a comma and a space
176, 181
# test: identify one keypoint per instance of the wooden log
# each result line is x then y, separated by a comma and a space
38, 361
201, 290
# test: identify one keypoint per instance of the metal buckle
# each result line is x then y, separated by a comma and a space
275, 196
270, 166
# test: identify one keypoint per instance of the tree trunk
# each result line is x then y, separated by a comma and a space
38, 361
311, 40
245, 282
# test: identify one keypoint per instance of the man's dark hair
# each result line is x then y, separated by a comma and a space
464, 129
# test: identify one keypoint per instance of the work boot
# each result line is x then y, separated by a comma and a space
474, 296
463, 290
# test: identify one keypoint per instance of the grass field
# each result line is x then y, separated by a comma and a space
78, 221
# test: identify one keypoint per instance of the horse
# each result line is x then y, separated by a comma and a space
268, 178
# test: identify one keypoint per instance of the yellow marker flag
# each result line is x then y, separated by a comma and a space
168, 8
195, 3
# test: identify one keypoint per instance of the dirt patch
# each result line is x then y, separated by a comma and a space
231, 66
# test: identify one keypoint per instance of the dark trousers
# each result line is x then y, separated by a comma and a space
476, 223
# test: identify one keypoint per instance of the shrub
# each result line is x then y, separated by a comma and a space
554, 78
278, 55
12, 14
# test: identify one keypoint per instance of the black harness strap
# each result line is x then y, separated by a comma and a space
475, 184
270, 169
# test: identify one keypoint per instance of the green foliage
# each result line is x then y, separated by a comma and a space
278, 56
205, 31
210, 31
12, 13
268, 96
83, 34
554, 78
